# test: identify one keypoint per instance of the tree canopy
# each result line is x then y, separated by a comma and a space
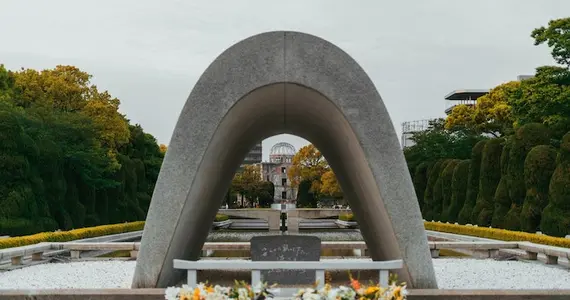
69, 159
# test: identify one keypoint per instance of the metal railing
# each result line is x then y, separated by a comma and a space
256, 267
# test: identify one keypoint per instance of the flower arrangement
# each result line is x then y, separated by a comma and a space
205, 291
355, 290
243, 291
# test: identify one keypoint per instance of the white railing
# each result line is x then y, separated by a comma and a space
256, 267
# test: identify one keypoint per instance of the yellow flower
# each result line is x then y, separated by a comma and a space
210, 289
398, 293
196, 295
371, 290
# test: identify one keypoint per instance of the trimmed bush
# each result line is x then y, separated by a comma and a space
433, 175
221, 218
539, 165
75, 234
489, 177
526, 137
502, 201
347, 217
446, 190
499, 234
420, 182
459, 189
556, 215
472, 183
438, 193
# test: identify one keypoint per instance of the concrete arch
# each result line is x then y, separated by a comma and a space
272, 83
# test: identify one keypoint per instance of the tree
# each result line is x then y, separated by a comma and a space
489, 177
163, 148
437, 143
329, 185
68, 159
266, 193
472, 184
459, 189
502, 200
526, 137
491, 114
306, 198
539, 165
555, 219
420, 179
308, 164
446, 182
247, 182
557, 37
544, 99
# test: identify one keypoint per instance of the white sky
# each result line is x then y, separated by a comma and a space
149, 53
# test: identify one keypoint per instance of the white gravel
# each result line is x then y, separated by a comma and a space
451, 274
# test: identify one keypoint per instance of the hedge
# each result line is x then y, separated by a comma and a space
446, 182
489, 177
556, 215
437, 199
433, 175
458, 189
472, 183
66, 236
499, 234
347, 217
502, 200
526, 137
420, 182
539, 165
76, 234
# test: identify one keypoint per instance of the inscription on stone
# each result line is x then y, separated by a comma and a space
286, 248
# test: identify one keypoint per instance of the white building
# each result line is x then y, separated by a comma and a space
280, 160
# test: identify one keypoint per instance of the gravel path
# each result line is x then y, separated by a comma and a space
451, 274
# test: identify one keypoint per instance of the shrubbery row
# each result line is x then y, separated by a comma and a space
82, 233
517, 183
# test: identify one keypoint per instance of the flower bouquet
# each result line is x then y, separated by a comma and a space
243, 291
355, 291
205, 291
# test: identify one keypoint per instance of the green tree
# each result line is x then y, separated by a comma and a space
446, 189
459, 189
555, 219
539, 165
491, 114
433, 176
420, 181
472, 183
526, 137
438, 191
557, 36
438, 143
502, 200
489, 177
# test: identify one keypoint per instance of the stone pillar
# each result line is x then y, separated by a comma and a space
274, 220
293, 221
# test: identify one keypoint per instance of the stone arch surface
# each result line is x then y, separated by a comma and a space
272, 83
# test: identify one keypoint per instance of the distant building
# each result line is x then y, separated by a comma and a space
254, 155
280, 160
408, 129
524, 77
458, 97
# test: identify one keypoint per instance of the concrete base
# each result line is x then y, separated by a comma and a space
551, 260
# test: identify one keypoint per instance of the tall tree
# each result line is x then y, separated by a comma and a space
308, 164
491, 114
557, 36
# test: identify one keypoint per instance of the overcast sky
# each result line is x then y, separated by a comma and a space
149, 54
